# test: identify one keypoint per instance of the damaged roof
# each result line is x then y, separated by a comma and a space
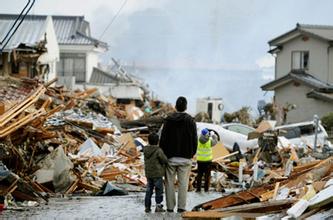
74, 30
324, 32
30, 32
301, 77
70, 30
100, 76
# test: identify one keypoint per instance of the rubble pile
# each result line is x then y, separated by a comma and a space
274, 181
58, 141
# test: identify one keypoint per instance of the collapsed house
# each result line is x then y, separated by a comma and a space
29, 53
54, 142
70, 53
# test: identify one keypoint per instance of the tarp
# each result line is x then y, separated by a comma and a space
109, 189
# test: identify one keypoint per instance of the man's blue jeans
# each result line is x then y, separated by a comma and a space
157, 184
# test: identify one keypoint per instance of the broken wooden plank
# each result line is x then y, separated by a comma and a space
260, 207
88, 186
23, 196
225, 156
218, 215
10, 189
22, 106
13, 127
72, 187
234, 199
276, 189
51, 82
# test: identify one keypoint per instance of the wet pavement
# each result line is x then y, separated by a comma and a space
115, 207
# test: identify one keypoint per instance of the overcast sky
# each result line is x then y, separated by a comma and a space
191, 34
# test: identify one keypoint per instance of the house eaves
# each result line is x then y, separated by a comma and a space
321, 32
327, 97
277, 40
271, 86
300, 77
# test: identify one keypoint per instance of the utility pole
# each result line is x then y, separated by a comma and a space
316, 121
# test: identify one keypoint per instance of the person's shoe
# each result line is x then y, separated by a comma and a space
159, 208
147, 210
198, 190
169, 210
181, 210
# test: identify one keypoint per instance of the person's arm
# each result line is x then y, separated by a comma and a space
161, 156
214, 139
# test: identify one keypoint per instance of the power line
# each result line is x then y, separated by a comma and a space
113, 19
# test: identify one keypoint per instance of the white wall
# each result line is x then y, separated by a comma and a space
318, 58
330, 66
52, 55
91, 62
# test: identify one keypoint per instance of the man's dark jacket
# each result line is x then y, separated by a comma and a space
179, 136
155, 161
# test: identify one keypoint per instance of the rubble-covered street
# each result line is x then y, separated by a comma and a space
117, 207
56, 142
84, 136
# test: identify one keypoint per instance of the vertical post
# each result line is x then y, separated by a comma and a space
316, 121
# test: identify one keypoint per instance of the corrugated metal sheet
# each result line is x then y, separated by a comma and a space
70, 30
74, 30
30, 32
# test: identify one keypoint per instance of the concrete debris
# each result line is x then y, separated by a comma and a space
55, 168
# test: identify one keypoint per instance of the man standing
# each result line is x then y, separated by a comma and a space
179, 143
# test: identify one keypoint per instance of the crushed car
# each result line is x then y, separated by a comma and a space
303, 134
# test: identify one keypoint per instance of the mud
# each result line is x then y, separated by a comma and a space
116, 207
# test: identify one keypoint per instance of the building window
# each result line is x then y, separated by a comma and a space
72, 64
300, 60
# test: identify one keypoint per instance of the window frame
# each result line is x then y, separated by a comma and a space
240, 129
74, 57
301, 58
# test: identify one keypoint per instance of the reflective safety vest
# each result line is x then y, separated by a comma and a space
204, 151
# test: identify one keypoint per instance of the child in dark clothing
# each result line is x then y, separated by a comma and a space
155, 162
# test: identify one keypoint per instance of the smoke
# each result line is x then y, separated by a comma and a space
209, 48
